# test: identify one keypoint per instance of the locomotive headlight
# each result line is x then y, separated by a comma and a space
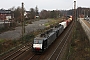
37, 46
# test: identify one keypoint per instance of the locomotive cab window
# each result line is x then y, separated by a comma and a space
38, 41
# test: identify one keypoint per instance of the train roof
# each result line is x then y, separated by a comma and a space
44, 35
40, 38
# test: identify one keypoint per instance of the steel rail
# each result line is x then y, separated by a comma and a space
19, 54
63, 46
16, 52
34, 57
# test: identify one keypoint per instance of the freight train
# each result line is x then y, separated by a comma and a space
42, 41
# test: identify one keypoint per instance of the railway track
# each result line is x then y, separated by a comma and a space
34, 57
17, 53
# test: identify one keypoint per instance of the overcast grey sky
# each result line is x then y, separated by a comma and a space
44, 4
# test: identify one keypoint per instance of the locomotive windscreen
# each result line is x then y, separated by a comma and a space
38, 41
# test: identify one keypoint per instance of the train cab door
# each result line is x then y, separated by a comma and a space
45, 44
57, 33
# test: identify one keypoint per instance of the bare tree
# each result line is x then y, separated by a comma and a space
36, 11
32, 13
44, 14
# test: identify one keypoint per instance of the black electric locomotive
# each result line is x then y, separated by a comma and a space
44, 40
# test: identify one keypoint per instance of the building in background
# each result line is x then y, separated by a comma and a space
5, 14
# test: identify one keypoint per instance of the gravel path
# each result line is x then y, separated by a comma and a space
15, 34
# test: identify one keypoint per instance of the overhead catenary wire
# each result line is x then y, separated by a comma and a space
70, 5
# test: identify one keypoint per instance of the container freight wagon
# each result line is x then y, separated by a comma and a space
64, 24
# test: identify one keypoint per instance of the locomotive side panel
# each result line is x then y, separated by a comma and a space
61, 28
51, 38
